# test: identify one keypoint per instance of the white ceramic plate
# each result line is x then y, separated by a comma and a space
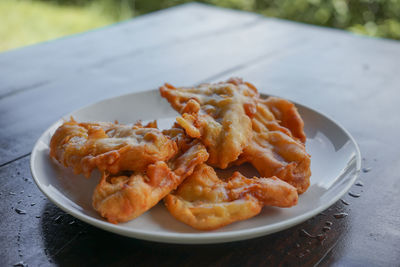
335, 165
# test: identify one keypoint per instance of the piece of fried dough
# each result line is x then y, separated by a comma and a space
120, 198
275, 150
109, 147
285, 112
217, 114
206, 202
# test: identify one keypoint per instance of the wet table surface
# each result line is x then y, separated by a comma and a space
355, 80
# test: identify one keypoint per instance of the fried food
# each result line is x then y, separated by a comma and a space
217, 114
120, 198
285, 112
222, 124
277, 146
206, 202
110, 147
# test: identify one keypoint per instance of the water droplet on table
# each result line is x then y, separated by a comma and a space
354, 194
19, 211
345, 202
20, 264
366, 170
340, 215
305, 233
58, 219
326, 228
359, 183
319, 237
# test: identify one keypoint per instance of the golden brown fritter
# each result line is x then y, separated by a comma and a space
218, 114
275, 150
109, 147
120, 198
206, 202
285, 112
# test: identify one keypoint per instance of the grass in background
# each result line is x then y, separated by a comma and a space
29, 22
25, 22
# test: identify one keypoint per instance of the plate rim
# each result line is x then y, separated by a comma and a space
206, 237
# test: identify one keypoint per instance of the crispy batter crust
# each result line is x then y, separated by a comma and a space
285, 112
224, 124
109, 147
206, 202
217, 114
277, 146
120, 198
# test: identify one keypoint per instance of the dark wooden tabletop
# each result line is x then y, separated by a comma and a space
353, 79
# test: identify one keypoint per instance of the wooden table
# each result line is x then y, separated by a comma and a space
355, 80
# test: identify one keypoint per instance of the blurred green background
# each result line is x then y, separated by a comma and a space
24, 22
